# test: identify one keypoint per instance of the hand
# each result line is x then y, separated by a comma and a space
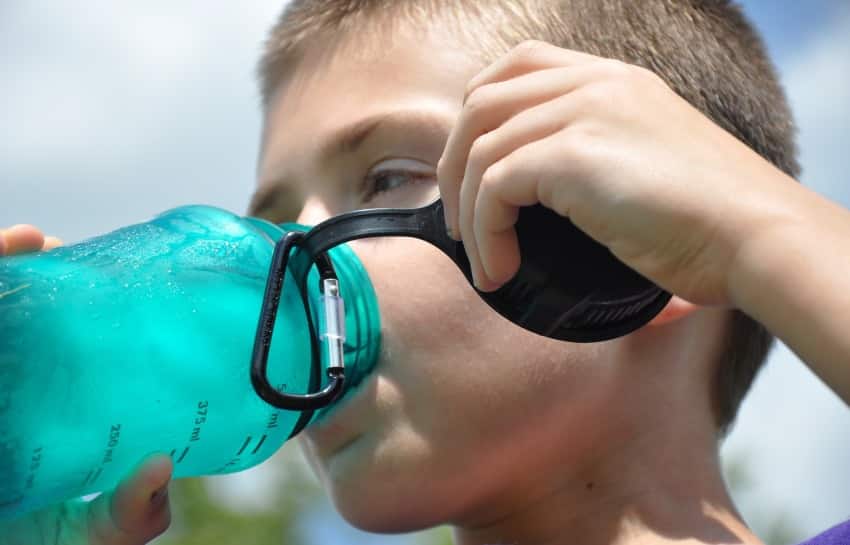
20, 239
613, 148
134, 513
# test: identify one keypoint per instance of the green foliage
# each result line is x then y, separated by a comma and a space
202, 518
437, 536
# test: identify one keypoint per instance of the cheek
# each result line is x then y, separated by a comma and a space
447, 352
427, 307
457, 381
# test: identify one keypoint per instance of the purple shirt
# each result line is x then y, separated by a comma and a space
839, 535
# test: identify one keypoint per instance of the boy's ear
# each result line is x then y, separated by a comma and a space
676, 308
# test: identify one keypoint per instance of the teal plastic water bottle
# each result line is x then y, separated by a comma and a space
140, 341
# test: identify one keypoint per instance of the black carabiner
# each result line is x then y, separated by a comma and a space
265, 331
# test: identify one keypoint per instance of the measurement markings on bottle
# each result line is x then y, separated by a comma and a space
272, 423
114, 436
185, 452
244, 446
262, 440
35, 463
92, 476
200, 419
182, 454
96, 475
111, 444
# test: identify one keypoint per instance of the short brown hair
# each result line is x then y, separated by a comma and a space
706, 50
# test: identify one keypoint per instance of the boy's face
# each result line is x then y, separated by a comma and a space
462, 404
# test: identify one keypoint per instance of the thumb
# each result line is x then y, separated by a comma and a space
137, 510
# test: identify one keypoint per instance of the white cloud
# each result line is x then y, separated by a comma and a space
116, 77
107, 102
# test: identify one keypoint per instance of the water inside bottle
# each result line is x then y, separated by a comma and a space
124, 346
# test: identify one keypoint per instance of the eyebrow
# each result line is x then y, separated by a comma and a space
350, 138
279, 195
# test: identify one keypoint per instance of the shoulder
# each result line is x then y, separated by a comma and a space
838, 535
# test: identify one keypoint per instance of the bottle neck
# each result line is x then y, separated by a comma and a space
362, 319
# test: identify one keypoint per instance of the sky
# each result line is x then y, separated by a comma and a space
115, 111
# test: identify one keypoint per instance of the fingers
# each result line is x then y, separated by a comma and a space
137, 511
20, 239
525, 128
487, 109
521, 138
51, 242
496, 226
521, 179
529, 56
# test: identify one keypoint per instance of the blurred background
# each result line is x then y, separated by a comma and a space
114, 111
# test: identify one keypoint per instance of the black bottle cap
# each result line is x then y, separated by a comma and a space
568, 286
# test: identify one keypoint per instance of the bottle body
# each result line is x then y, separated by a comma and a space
140, 341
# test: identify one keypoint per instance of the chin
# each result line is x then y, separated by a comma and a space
383, 513
381, 495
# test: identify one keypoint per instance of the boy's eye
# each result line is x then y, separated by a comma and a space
402, 183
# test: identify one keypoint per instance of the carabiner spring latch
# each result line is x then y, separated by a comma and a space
332, 323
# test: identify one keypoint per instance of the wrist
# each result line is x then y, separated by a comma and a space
779, 244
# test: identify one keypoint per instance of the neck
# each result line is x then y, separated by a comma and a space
655, 477
650, 501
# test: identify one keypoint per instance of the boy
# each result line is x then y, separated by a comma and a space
467, 419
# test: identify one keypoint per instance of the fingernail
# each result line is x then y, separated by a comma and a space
450, 231
475, 281
159, 496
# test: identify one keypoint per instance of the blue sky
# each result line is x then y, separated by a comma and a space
115, 111
788, 24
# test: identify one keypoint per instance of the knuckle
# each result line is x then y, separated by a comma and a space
470, 88
494, 176
528, 50
634, 75
643, 72
481, 151
477, 101
590, 97
603, 95
577, 147
615, 68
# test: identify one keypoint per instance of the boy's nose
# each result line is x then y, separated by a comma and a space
313, 212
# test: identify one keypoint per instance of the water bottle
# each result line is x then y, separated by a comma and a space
140, 341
